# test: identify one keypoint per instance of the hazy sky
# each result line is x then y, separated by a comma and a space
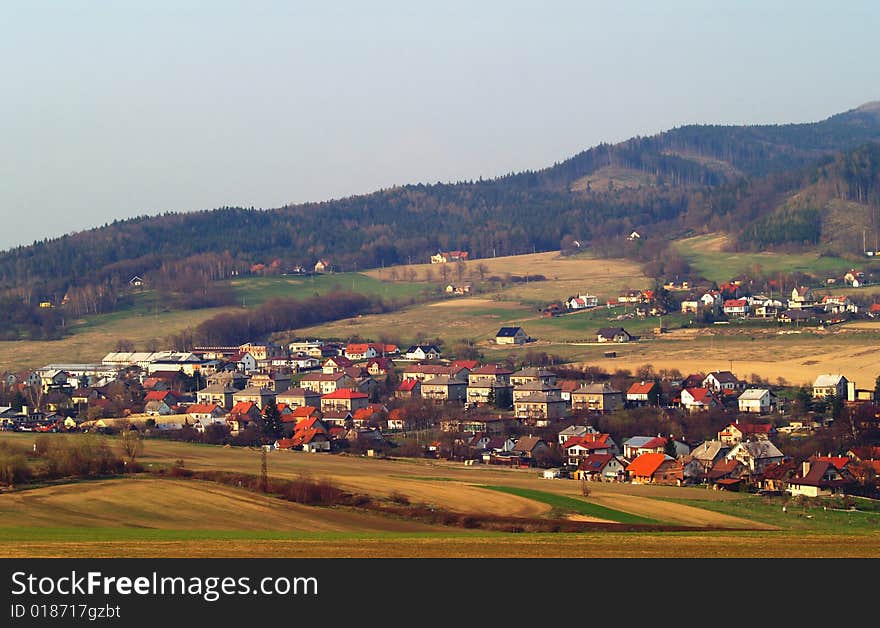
116, 109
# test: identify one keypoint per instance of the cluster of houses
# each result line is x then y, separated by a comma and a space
741, 457
800, 306
327, 394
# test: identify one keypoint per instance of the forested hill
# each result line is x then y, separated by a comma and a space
670, 181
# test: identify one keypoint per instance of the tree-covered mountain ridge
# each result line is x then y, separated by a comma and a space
688, 178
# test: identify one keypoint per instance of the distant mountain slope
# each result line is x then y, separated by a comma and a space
682, 176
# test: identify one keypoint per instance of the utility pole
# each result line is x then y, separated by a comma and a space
264, 469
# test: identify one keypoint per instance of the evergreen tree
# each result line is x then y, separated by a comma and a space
272, 426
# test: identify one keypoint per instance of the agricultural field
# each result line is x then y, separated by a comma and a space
146, 516
707, 254
251, 291
565, 276
92, 338
145, 321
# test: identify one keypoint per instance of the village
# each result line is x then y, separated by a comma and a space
374, 399
377, 399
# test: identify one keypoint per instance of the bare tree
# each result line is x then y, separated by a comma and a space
124, 345
444, 272
482, 270
132, 445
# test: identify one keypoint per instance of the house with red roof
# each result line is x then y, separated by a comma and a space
737, 432
408, 389
736, 307
699, 399
360, 351
490, 372
374, 413
470, 365
242, 414
655, 468
576, 448
206, 413
643, 394
638, 445
344, 399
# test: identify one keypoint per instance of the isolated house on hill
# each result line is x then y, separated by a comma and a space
613, 334
511, 336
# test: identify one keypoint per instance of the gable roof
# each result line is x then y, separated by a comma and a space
647, 464
610, 332
754, 394
641, 388
724, 377
408, 385
508, 332
345, 393
202, 408
595, 462
465, 364
701, 395
492, 369
296, 393
595, 389
244, 407
527, 443
827, 379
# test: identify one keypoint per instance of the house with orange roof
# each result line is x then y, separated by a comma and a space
360, 351
643, 394
344, 399
242, 414
654, 468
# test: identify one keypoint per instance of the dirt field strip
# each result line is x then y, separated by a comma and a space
585, 545
383, 477
180, 504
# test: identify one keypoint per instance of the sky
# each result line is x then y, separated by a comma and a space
110, 110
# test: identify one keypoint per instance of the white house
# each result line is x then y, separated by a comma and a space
691, 306
736, 307
756, 455
582, 301
757, 400
422, 352
830, 384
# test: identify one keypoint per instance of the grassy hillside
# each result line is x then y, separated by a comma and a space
707, 254
147, 321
